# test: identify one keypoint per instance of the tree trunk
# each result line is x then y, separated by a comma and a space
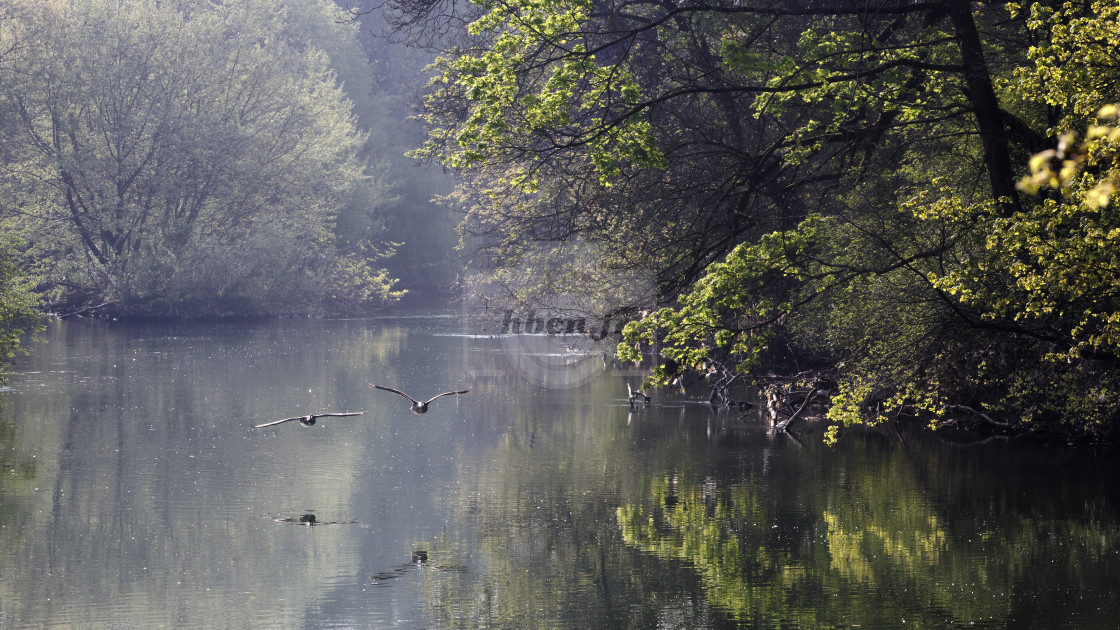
985, 105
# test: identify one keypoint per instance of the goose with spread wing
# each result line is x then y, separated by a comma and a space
307, 420
418, 406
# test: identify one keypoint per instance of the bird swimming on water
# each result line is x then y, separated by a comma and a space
307, 420
418, 406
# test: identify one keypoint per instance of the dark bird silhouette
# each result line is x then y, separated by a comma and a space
636, 395
307, 420
310, 520
417, 406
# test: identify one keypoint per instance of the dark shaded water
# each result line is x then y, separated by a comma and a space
135, 494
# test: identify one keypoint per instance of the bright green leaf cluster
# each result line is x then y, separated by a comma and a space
509, 100
727, 310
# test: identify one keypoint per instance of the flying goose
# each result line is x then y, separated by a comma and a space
307, 420
417, 406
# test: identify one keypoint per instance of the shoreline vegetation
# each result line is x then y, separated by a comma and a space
915, 201
913, 204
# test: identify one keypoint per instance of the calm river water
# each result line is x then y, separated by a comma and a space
134, 493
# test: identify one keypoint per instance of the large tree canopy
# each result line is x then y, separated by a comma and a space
183, 157
839, 176
681, 130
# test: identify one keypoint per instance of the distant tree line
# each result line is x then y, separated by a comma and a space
908, 204
192, 158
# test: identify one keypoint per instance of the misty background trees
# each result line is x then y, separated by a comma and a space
196, 158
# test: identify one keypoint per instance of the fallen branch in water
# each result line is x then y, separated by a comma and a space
785, 423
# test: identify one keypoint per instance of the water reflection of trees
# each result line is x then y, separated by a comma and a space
578, 511
130, 494
563, 508
544, 548
880, 547
18, 471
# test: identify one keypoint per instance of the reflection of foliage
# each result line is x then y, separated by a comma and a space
872, 552
906, 547
568, 516
723, 537
543, 549
17, 470
121, 455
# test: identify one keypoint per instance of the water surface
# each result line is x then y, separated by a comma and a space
134, 493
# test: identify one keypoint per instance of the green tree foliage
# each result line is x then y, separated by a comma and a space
1061, 252
838, 180
984, 305
181, 158
19, 315
672, 134
18, 302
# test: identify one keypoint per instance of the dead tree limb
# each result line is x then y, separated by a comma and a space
784, 424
